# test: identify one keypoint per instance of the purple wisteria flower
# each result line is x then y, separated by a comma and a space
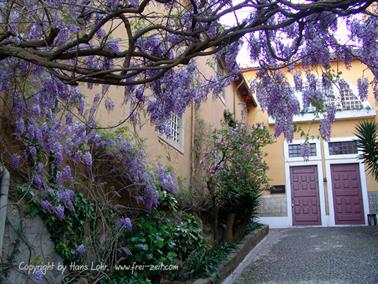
20, 126
77, 156
113, 44
15, 160
45, 204
39, 168
326, 122
80, 250
276, 96
67, 196
298, 83
33, 153
58, 152
134, 3
81, 105
69, 118
38, 182
113, 3
305, 151
50, 191
36, 110
363, 86
109, 105
59, 212
124, 223
151, 197
166, 179
88, 159
67, 175
38, 276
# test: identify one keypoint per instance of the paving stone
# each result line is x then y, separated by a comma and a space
315, 255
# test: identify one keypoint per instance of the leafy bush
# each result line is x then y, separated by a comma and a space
68, 236
205, 262
70, 233
162, 237
237, 174
367, 142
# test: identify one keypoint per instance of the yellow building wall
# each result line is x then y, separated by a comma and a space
341, 128
157, 147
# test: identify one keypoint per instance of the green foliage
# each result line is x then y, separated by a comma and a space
167, 201
252, 227
229, 119
205, 262
367, 142
152, 241
160, 238
165, 236
70, 233
239, 171
188, 235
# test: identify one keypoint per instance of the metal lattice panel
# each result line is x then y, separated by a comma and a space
295, 150
343, 148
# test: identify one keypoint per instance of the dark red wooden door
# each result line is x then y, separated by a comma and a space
347, 196
305, 195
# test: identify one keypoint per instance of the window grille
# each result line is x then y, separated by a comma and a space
295, 150
343, 148
342, 97
174, 128
349, 100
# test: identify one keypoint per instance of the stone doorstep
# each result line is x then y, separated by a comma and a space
236, 257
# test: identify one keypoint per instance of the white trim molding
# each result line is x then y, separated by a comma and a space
275, 222
340, 115
314, 160
301, 159
344, 159
320, 188
177, 145
327, 156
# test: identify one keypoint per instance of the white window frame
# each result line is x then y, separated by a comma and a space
366, 111
344, 159
300, 159
343, 156
178, 145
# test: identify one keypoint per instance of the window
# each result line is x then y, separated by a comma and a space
348, 99
342, 96
295, 150
174, 133
342, 148
221, 73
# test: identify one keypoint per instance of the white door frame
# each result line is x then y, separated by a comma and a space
292, 162
344, 159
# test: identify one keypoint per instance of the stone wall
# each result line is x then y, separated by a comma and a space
27, 242
373, 201
273, 205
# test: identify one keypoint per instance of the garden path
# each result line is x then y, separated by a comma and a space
312, 255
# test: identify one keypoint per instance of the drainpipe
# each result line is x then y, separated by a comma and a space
192, 125
4, 187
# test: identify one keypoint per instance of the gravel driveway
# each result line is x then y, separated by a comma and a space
313, 255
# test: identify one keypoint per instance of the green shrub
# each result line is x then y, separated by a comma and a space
205, 262
237, 175
160, 238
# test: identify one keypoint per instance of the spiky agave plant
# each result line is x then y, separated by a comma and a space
367, 142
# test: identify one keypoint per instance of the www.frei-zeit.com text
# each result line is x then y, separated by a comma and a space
44, 268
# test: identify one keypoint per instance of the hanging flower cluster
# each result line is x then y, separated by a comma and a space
50, 124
